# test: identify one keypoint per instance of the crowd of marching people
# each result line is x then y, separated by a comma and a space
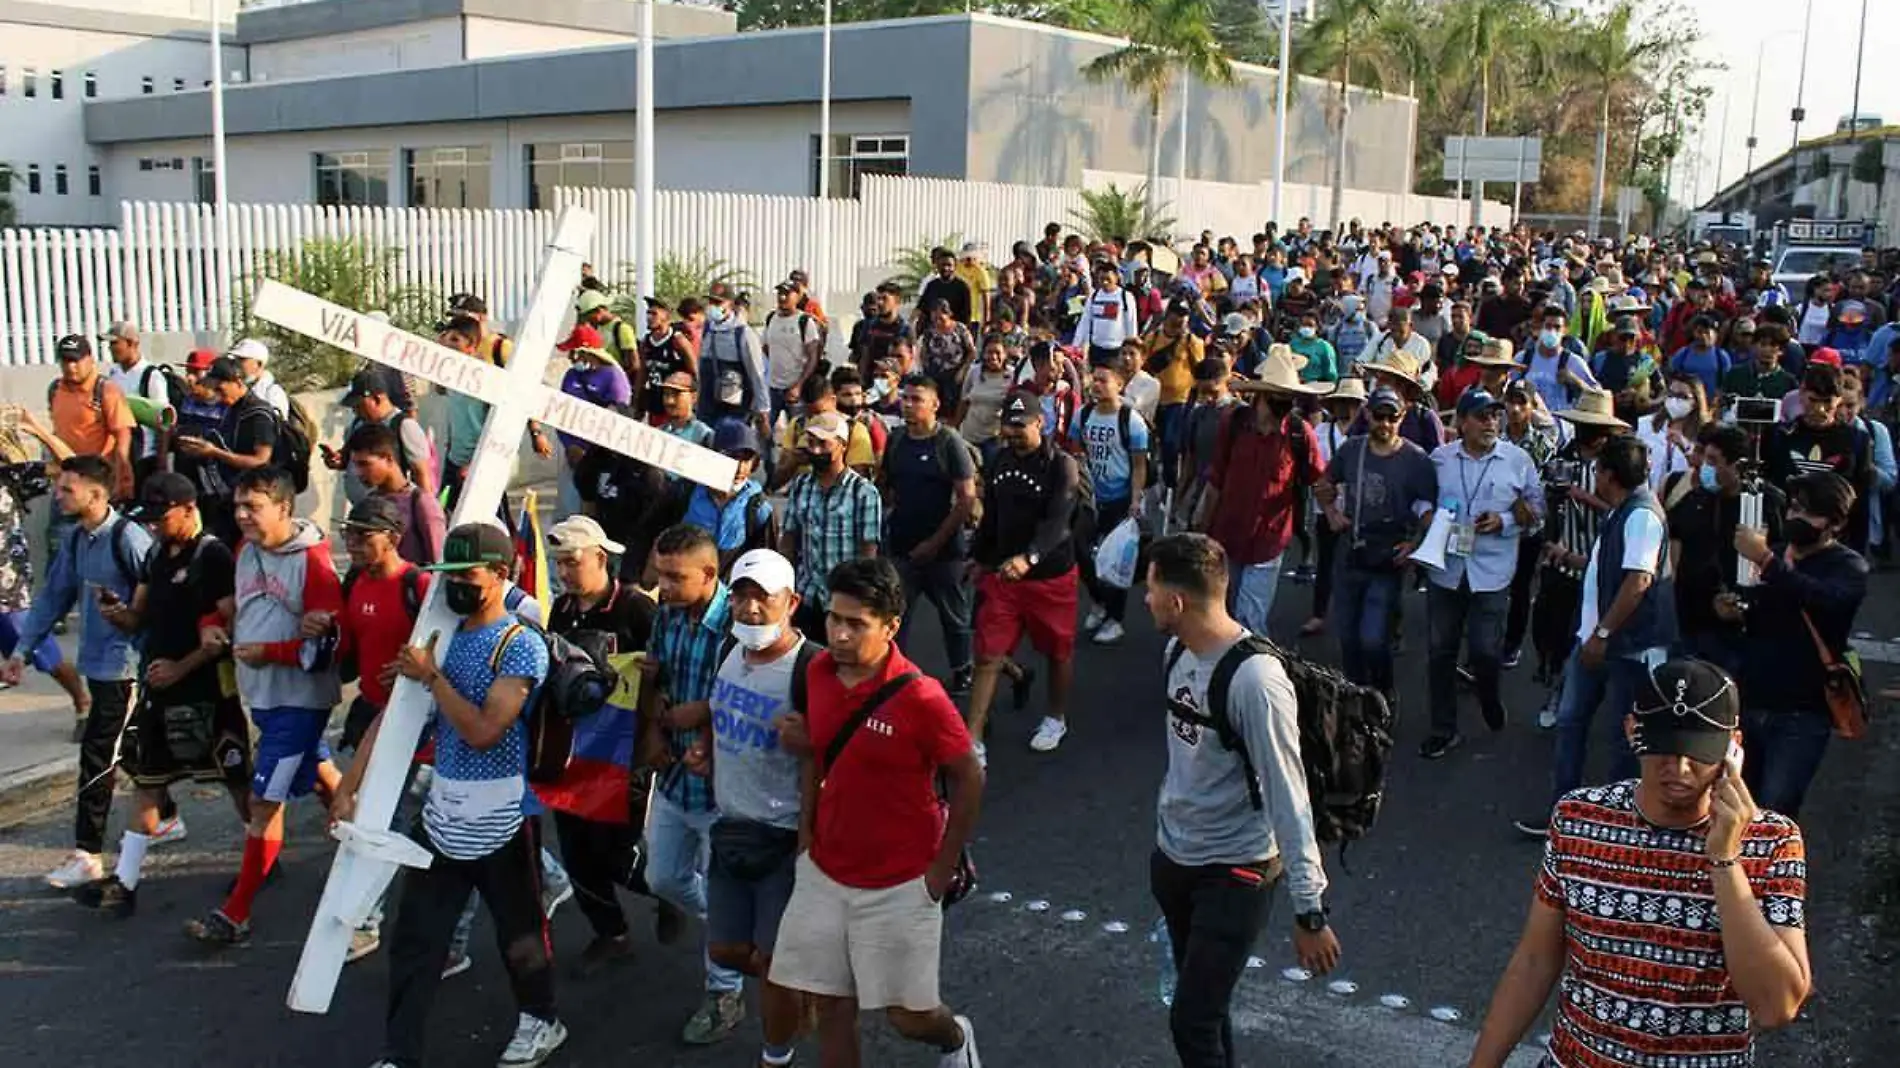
1640, 466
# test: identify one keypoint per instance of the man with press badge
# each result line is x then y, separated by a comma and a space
1489, 496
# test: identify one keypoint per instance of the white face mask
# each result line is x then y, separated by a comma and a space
756, 636
1677, 407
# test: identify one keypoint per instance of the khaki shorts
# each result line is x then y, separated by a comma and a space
878, 946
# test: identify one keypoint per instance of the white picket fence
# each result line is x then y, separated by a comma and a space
159, 267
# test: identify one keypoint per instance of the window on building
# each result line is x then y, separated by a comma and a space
145, 163
92, 85
57, 82
59, 179
590, 164
3, 79
145, 85
855, 155
353, 178
6, 178
178, 85
33, 178
447, 177
204, 180
29, 82
94, 187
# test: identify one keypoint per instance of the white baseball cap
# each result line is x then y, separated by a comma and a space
768, 569
250, 349
581, 532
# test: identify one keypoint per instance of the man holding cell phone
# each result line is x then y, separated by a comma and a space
97, 567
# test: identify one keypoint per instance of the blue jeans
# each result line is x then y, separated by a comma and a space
1250, 592
679, 846
1469, 620
1362, 617
1781, 751
1584, 690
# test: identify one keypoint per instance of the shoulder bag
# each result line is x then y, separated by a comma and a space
1841, 686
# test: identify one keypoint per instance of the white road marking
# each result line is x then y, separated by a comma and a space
1342, 987
1115, 927
1074, 916
1345, 1031
1446, 1014
1295, 975
1037, 906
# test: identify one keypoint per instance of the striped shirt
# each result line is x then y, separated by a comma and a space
1645, 982
478, 796
687, 649
831, 526
1572, 524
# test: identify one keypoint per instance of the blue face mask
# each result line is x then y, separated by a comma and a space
1705, 476
1550, 339
1308, 332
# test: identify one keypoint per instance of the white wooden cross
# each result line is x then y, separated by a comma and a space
368, 854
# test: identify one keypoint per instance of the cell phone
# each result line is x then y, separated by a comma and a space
1735, 755
106, 596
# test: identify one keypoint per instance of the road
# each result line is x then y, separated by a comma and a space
1058, 973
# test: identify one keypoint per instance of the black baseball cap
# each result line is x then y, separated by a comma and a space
1475, 401
365, 382
223, 369
1021, 409
474, 545
1686, 708
468, 304
72, 347
376, 514
162, 492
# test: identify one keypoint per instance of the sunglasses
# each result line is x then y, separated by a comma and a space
1386, 417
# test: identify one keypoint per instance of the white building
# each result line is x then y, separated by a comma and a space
492, 103
56, 57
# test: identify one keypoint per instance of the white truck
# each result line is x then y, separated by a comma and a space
1807, 247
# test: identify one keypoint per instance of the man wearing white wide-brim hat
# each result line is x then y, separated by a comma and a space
1263, 454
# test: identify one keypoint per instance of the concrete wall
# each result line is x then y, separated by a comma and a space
487, 38
748, 150
46, 132
1034, 119
429, 43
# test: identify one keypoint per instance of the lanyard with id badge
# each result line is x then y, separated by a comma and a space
1464, 531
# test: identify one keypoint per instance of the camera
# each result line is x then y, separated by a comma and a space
1757, 411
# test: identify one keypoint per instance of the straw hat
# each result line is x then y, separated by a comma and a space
1397, 363
1598, 285
1497, 353
1627, 304
1278, 373
1595, 407
1352, 388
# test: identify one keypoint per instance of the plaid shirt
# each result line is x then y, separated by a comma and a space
687, 650
830, 525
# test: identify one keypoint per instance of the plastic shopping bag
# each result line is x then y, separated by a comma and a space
1116, 556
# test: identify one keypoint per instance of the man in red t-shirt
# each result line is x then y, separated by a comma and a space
864, 926
382, 595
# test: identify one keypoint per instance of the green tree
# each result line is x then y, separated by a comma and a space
1115, 214
674, 279
353, 272
1499, 41
1168, 40
911, 263
1371, 45
1608, 55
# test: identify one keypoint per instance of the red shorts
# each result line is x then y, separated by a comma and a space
1045, 608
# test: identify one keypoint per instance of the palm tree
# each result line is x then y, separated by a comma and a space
1168, 41
1504, 40
1371, 44
1608, 56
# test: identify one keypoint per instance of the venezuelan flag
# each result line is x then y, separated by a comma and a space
598, 775
531, 556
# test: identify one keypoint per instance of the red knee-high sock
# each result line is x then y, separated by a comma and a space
259, 855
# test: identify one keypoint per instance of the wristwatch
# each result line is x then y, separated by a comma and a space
1312, 922
1033, 557
1600, 634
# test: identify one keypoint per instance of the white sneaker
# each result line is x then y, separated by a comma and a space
169, 831
1096, 617
1110, 633
456, 965
1049, 734
1547, 718
534, 1042
554, 895
982, 754
964, 1057
80, 868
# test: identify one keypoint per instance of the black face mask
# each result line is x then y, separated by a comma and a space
463, 598
1803, 533
818, 461
850, 411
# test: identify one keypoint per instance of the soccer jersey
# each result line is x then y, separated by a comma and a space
1645, 980
476, 799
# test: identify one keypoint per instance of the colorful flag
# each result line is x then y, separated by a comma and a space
596, 783
531, 556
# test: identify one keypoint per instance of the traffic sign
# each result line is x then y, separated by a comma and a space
1494, 159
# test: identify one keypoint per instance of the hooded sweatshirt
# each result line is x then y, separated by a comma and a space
275, 588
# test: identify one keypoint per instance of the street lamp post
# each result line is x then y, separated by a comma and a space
1286, 83
646, 245
821, 270
221, 224
1801, 83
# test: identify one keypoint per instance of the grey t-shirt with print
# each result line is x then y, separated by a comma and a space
754, 778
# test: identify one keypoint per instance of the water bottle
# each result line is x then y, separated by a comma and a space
1165, 948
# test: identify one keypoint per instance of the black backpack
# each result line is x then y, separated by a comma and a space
807, 649
294, 437
177, 392
575, 688
1345, 737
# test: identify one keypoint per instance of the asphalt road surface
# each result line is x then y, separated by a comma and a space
1050, 958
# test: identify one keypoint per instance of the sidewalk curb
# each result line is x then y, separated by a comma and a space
33, 790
